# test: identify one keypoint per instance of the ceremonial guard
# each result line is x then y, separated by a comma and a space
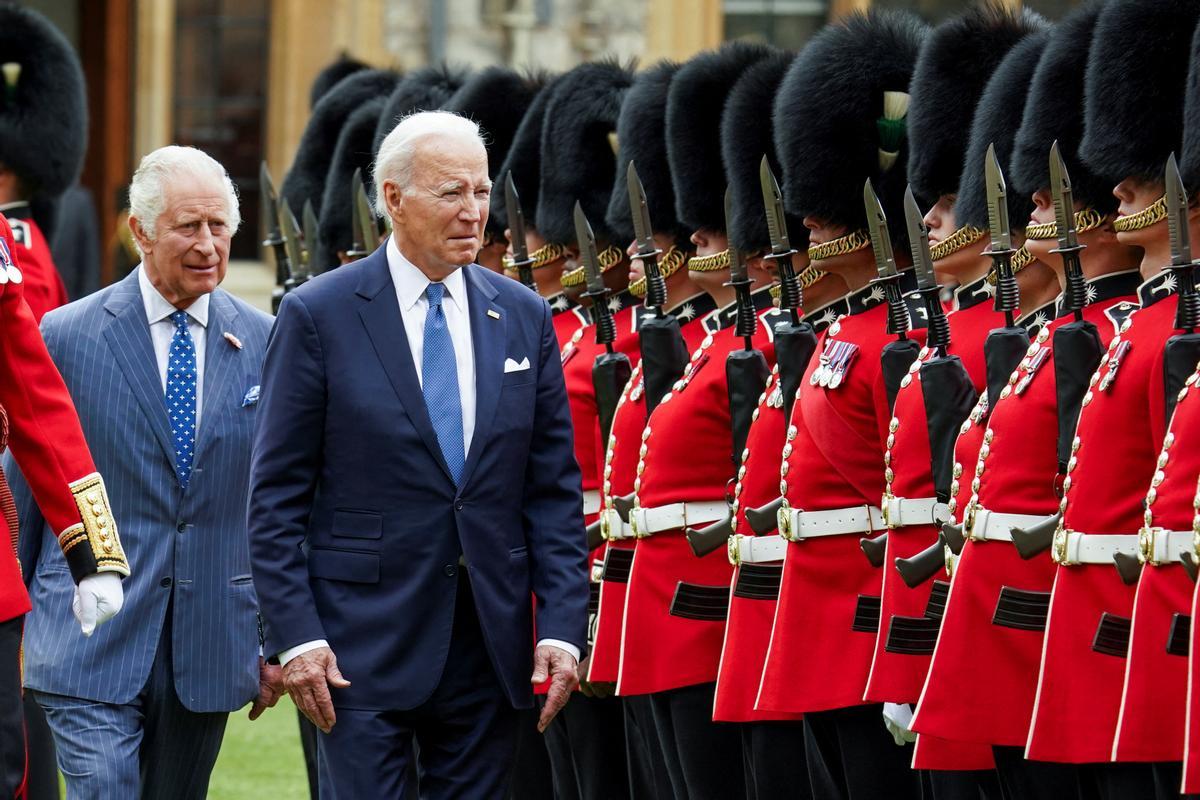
1137, 48
331, 75
839, 121
991, 624
675, 602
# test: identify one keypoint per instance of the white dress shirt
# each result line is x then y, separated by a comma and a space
162, 331
410, 284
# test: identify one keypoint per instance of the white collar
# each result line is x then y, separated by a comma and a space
411, 282
159, 308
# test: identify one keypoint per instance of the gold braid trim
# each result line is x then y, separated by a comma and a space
965, 236
713, 263
851, 242
607, 259
668, 265
1151, 214
98, 526
546, 255
1086, 220
810, 276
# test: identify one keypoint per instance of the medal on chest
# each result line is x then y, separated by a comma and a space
834, 364
1115, 360
1033, 363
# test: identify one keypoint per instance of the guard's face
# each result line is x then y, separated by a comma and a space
961, 265
190, 252
1134, 195
439, 218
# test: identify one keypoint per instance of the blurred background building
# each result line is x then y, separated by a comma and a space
232, 76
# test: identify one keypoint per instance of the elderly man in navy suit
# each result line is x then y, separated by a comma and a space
412, 483
164, 370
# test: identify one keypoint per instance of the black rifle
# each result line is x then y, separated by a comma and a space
516, 231
272, 235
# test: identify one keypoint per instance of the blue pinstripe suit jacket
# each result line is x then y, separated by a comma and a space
188, 548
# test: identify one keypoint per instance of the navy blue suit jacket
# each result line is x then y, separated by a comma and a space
355, 523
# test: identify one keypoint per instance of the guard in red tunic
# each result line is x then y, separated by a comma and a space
39, 425
43, 137
839, 120
991, 626
1137, 46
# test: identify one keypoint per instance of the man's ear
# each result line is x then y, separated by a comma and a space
393, 197
135, 227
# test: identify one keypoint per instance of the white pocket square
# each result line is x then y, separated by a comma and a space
512, 366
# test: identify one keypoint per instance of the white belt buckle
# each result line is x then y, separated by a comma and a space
734, 548
637, 523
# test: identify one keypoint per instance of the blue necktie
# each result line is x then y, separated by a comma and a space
439, 382
181, 396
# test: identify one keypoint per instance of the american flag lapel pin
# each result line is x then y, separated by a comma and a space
233, 340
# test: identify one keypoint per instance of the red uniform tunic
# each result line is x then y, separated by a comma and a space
823, 634
44, 288
567, 317
676, 603
1191, 744
1018, 477
1116, 448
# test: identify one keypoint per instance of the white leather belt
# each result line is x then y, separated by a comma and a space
591, 502
612, 527
649, 521
1160, 546
992, 526
899, 512
796, 525
756, 549
1073, 547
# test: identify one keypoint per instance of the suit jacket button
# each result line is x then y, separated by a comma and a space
450, 570
165, 582
458, 505
181, 527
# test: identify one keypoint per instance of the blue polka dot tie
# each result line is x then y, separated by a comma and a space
439, 383
181, 396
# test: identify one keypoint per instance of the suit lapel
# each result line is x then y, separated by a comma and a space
128, 335
381, 317
489, 342
221, 360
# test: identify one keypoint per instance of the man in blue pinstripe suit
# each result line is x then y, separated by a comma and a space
164, 369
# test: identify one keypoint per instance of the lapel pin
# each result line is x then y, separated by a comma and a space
494, 314
233, 340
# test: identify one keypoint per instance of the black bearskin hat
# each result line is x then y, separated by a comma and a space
331, 75
1133, 90
353, 151
1054, 111
996, 120
839, 119
952, 70
641, 136
524, 160
578, 149
695, 104
1189, 162
424, 89
43, 103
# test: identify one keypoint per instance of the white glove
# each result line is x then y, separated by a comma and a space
897, 717
98, 598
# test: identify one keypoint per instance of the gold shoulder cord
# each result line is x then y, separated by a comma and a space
851, 242
98, 528
1151, 214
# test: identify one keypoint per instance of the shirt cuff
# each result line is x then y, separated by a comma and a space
287, 655
559, 643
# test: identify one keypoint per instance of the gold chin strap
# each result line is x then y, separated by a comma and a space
965, 236
1150, 215
713, 263
668, 265
807, 278
608, 258
546, 255
851, 242
1020, 260
1086, 220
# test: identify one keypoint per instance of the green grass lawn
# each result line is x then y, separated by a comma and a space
261, 758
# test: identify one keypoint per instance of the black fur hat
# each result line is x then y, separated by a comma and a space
329, 77
524, 160
43, 105
642, 139
496, 98
1189, 159
1134, 87
832, 129
424, 89
952, 70
1054, 111
578, 143
696, 101
353, 151
306, 178
997, 118
746, 136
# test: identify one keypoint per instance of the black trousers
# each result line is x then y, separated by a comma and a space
12, 713
532, 775
1118, 782
698, 751
42, 780
308, 745
773, 757
851, 756
1021, 778
938, 784
587, 750
645, 759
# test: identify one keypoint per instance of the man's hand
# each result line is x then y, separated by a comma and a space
558, 666
270, 688
596, 689
98, 598
307, 678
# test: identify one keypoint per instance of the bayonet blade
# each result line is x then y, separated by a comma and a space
358, 248
291, 234
516, 220
1177, 213
881, 240
366, 218
587, 250
1064, 202
773, 202
642, 227
310, 234
997, 195
737, 259
918, 241
268, 204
